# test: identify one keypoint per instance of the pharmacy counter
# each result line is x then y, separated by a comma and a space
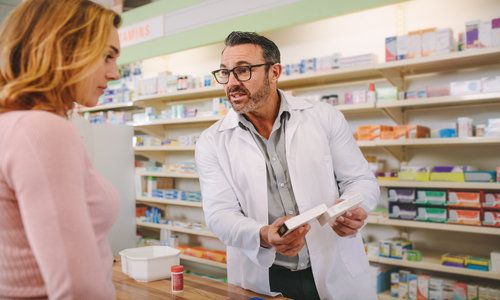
194, 288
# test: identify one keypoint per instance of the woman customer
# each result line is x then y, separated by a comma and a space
55, 209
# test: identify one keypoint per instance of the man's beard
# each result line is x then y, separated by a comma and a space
255, 101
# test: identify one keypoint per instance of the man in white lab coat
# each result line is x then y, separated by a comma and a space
274, 156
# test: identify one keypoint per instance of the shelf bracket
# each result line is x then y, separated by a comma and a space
395, 77
158, 156
395, 114
397, 152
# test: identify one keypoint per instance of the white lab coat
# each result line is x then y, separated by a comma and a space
322, 158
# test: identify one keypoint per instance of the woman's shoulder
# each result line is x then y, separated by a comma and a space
36, 122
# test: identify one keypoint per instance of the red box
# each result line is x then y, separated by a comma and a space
491, 218
464, 216
491, 200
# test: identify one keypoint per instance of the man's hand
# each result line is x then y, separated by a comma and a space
349, 223
290, 244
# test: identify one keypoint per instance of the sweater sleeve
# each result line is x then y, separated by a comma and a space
45, 166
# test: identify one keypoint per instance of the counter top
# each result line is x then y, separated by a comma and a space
195, 287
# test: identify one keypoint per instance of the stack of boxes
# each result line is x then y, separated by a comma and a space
472, 207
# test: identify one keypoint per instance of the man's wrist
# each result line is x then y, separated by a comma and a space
263, 237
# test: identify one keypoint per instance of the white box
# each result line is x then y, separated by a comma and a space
429, 41
444, 40
402, 47
340, 208
299, 220
149, 263
495, 261
490, 84
485, 34
414, 44
467, 87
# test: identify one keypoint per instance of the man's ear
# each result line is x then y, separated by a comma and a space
276, 70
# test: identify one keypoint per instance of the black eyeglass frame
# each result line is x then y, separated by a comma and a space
250, 67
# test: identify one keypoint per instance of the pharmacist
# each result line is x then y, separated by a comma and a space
274, 156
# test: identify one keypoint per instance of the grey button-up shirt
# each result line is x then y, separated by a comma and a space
281, 200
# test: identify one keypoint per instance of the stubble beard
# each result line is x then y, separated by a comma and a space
255, 101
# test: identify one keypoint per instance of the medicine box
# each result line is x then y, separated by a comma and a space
490, 84
423, 287
414, 44
480, 176
464, 199
472, 34
412, 287
484, 35
403, 284
429, 41
491, 200
448, 286
447, 176
438, 91
495, 32
398, 247
472, 291
495, 261
418, 132
432, 214
390, 48
402, 47
466, 87
436, 288
387, 93
491, 218
413, 175
431, 197
395, 284
444, 41
464, 216
402, 195
404, 211
453, 260
459, 291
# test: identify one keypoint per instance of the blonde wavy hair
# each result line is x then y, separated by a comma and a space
46, 48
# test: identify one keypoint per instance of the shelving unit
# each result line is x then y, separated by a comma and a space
164, 148
433, 226
203, 261
440, 185
394, 72
431, 262
111, 106
169, 202
167, 174
176, 229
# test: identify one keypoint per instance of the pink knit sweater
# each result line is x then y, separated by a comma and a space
55, 212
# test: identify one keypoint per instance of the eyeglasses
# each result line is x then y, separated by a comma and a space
241, 73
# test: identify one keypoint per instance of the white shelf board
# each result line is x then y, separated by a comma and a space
431, 262
184, 95
106, 107
167, 174
164, 148
439, 62
169, 202
431, 142
441, 101
356, 108
440, 184
179, 121
204, 261
433, 226
176, 229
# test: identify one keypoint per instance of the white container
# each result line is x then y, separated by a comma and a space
149, 263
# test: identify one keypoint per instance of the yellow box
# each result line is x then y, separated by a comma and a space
450, 177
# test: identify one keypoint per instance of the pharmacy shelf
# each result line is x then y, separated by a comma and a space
431, 142
330, 77
431, 262
439, 184
203, 261
179, 121
176, 229
185, 95
356, 108
106, 107
379, 220
169, 202
164, 148
441, 101
167, 174
396, 71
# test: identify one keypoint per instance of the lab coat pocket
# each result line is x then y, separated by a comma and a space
353, 255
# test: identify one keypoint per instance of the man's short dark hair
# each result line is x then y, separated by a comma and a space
270, 50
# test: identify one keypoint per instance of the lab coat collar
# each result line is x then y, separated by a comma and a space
231, 120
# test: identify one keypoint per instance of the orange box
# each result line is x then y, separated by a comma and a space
418, 132
371, 132
464, 216
216, 255
464, 199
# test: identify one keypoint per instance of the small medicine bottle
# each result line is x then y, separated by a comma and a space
177, 278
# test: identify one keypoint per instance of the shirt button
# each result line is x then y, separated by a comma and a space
274, 158
290, 212
282, 185
302, 264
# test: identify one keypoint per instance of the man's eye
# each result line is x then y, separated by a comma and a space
224, 73
241, 70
